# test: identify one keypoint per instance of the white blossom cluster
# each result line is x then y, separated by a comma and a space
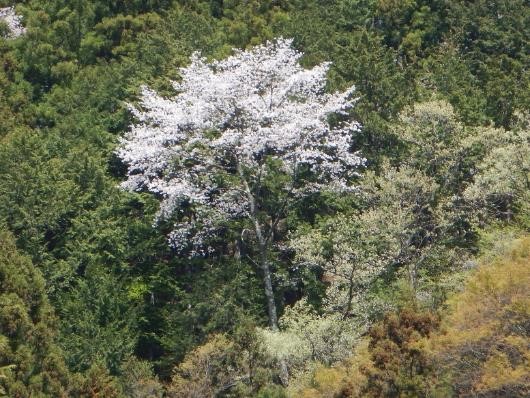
13, 21
228, 119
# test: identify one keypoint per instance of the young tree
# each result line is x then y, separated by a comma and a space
244, 139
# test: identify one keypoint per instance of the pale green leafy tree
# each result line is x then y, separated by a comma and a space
307, 338
404, 201
353, 251
501, 185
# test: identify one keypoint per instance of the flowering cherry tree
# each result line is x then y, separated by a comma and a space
211, 151
13, 22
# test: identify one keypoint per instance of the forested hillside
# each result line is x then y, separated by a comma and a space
277, 198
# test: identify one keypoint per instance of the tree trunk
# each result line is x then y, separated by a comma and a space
263, 260
271, 303
263, 243
269, 292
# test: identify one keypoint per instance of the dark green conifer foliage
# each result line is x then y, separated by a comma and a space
31, 364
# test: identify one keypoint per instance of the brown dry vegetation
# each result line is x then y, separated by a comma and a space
481, 348
485, 343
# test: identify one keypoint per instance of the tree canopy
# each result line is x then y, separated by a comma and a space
178, 176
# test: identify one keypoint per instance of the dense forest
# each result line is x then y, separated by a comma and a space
363, 231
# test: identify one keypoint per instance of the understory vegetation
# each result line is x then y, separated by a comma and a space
363, 233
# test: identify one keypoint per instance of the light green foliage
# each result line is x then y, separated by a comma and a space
459, 159
139, 381
95, 382
393, 238
207, 370
414, 224
432, 132
352, 252
406, 199
481, 170
307, 338
223, 366
501, 186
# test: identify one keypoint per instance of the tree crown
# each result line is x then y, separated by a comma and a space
212, 145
